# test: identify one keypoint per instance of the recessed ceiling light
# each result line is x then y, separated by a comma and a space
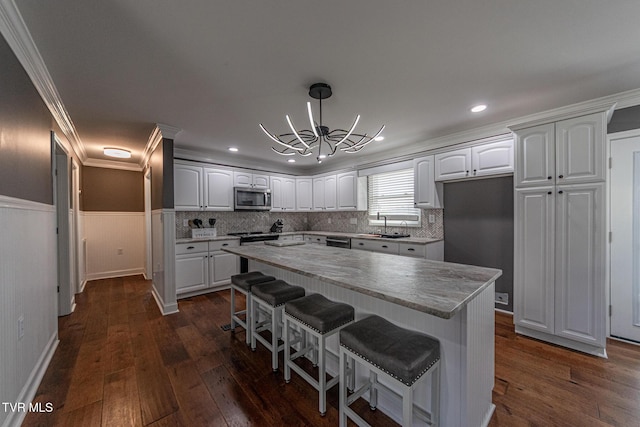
291, 160
322, 156
478, 108
380, 138
117, 152
234, 149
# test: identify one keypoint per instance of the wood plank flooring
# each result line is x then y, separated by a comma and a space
120, 363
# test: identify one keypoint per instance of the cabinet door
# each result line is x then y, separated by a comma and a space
304, 194
260, 181
330, 192
318, 194
277, 197
580, 149
534, 262
424, 186
191, 272
222, 266
242, 178
187, 181
535, 156
288, 194
493, 158
218, 189
453, 164
347, 190
580, 259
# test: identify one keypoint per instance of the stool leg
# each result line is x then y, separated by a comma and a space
373, 390
322, 377
407, 407
287, 351
248, 319
435, 396
314, 351
233, 309
343, 387
274, 339
254, 317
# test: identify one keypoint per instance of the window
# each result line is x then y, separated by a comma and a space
391, 195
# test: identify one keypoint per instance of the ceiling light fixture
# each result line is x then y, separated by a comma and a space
233, 149
117, 152
326, 141
478, 108
291, 160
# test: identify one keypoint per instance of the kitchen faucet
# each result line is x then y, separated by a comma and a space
405, 227
385, 222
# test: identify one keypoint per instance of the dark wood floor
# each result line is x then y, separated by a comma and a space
120, 363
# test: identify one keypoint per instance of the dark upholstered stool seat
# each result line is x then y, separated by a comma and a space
277, 292
402, 353
319, 313
247, 280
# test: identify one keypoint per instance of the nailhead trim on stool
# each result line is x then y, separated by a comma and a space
404, 355
271, 296
243, 283
321, 318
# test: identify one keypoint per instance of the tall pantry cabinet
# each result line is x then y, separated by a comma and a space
559, 263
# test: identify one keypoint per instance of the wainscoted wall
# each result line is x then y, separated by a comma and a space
229, 222
28, 279
114, 244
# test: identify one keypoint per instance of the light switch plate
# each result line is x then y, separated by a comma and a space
353, 221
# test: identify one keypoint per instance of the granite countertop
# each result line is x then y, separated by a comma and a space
437, 288
415, 240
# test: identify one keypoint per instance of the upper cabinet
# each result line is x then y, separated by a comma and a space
480, 160
566, 152
304, 193
247, 178
283, 193
424, 186
351, 191
202, 188
324, 193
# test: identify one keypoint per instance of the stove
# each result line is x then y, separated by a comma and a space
252, 238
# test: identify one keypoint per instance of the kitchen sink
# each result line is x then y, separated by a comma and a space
394, 236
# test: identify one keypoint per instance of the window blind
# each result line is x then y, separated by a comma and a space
391, 194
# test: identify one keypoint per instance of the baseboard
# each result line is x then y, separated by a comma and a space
83, 284
164, 308
29, 390
113, 274
499, 310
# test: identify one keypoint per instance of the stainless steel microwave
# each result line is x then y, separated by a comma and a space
252, 199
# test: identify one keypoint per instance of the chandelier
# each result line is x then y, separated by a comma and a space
327, 142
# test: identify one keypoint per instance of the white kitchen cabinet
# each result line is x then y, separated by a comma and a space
424, 186
324, 193
304, 194
492, 158
199, 188
351, 192
566, 152
312, 238
201, 266
248, 178
384, 246
454, 164
292, 238
283, 193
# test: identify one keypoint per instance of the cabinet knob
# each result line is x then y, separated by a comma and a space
560, 192
190, 247
549, 192
467, 172
361, 244
549, 177
560, 176
225, 244
385, 246
410, 249
474, 171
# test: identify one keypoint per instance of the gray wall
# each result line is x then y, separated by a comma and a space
478, 227
625, 119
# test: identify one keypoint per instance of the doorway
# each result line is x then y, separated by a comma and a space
148, 266
624, 217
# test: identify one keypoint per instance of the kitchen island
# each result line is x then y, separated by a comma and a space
452, 302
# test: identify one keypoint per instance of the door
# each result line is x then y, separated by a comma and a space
493, 158
453, 164
318, 193
330, 192
277, 202
580, 149
218, 189
424, 195
62, 196
625, 238
187, 187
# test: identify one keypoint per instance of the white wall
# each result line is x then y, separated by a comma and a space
28, 281
107, 233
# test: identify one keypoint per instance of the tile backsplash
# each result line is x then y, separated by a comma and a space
229, 222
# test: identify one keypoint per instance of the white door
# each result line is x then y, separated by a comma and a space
289, 194
318, 193
535, 156
218, 189
330, 196
625, 241
453, 164
277, 202
580, 149
493, 158
187, 181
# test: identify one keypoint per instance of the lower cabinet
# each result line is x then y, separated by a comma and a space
310, 238
292, 237
433, 251
201, 266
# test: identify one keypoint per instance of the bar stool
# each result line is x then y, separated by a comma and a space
321, 318
243, 283
403, 356
271, 297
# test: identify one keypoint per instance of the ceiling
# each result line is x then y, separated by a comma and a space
215, 69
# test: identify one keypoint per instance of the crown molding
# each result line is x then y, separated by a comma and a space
17, 35
112, 164
154, 139
167, 131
